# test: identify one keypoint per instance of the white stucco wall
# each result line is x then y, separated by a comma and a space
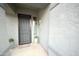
63, 29
8, 29
12, 22
9, 26
43, 28
3, 32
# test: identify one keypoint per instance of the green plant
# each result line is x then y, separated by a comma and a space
11, 40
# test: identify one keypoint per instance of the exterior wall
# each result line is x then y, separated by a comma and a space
12, 22
43, 28
63, 29
8, 29
4, 44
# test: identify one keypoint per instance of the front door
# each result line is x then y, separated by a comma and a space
24, 29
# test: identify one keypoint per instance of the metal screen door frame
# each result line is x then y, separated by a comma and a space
24, 29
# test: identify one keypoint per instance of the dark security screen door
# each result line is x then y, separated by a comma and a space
24, 29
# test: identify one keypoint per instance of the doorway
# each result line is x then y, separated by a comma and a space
24, 29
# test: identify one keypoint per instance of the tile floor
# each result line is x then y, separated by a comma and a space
33, 49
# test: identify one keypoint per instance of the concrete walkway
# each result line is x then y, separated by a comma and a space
33, 49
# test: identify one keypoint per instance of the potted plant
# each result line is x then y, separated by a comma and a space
12, 43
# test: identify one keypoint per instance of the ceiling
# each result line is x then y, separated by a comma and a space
32, 6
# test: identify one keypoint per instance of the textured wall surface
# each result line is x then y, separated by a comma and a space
8, 29
63, 29
12, 25
43, 28
3, 32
